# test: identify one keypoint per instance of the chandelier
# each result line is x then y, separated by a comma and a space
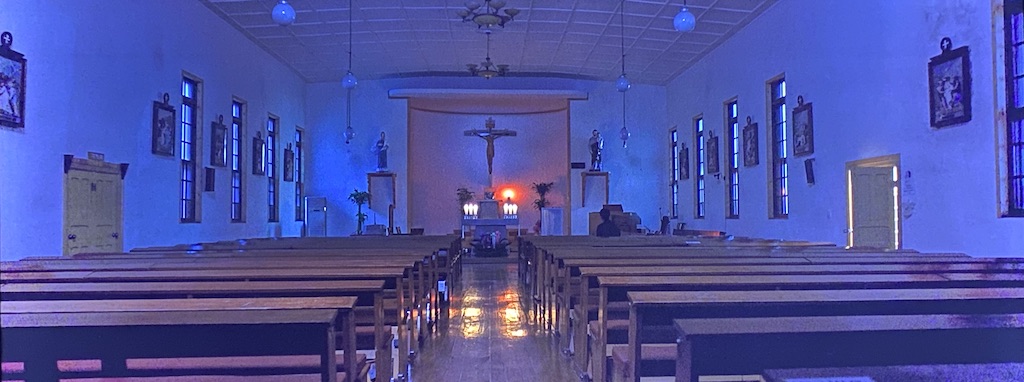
487, 16
488, 69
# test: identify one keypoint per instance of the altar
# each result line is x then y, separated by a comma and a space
488, 226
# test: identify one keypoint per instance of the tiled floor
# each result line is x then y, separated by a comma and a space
489, 336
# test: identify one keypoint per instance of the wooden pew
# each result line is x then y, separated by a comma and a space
550, 263
173, 334
656, 309
711, 346
408, 339
367, 292
343, 305
945, 373
618, 286
567, 296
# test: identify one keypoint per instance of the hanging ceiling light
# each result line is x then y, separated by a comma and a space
349, 81
487, 17
622, 84
283, 13
488, 69
684, 20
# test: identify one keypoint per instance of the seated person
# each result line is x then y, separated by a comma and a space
607, 228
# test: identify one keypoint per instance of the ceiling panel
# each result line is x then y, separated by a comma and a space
554, 37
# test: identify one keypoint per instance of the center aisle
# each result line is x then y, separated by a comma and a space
490, 337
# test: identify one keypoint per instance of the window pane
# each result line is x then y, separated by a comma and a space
1017, 28
1018, 61
1018, 97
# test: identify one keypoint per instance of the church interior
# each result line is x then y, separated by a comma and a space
431, 184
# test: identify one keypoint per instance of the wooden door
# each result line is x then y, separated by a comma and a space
93, 203
873, 207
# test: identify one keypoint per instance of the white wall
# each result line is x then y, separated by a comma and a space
863, 65
93, 75
638, 180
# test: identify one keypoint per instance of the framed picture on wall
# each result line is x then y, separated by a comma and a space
12, 84
751, 154
218, 143
684, 163
712, 155
163, 127
289, 164
259, 155
949, 85
803, 128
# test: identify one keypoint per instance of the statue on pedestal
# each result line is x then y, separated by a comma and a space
596, 147
381, 149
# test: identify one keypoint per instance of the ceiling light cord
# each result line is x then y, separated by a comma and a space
349, 35
622, 34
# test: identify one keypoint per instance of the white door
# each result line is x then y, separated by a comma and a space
92, 212
873, 203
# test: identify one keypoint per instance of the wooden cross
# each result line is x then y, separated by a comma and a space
489, 134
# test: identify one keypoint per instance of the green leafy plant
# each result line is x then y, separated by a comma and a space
542, 190
359, 198
464, 195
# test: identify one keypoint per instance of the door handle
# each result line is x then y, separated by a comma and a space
72, 237
114, 235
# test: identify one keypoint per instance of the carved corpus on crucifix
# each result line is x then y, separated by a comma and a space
489, 134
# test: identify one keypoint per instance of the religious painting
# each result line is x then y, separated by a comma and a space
751, 152
712, 155
949, 85
12, 84
259, 155
218, 143
684, 163
803, 128
163, 127
289, 164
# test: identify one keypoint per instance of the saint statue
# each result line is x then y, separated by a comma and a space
381, 149
596, 146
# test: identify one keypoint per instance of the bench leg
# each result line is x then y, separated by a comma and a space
328, 364
684, 360
382, 357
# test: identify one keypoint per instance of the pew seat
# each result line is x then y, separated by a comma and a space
731, 346
227, 366
945, 373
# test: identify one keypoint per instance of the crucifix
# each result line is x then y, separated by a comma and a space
489, 134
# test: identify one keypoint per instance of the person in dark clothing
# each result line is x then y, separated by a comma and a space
607, 228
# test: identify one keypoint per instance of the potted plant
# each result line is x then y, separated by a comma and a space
359, 198
464, 195
542, 190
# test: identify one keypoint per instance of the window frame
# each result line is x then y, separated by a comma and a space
188, 145
733, 136
1013, 136
700, 183
674, 184
237, 205
300, 185
273, 185
778, 142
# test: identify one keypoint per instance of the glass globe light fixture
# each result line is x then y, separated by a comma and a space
283, 13
349, 81
685, 21
350, 134
623, 84
624, 135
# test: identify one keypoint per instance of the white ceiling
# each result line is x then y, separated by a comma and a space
561, 38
